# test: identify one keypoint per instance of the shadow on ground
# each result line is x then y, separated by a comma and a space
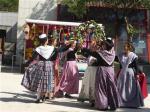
86, 105
73, 103
9, 69
18, 97
29, 97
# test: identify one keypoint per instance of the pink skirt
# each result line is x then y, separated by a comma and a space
69, 82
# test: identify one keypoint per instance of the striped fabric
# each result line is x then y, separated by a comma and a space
39, 77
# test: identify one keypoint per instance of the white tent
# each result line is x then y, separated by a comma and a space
60, 23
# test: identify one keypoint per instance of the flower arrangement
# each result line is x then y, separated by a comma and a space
97, 30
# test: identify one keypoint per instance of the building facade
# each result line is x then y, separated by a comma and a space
51, 10
32, 9
8, 34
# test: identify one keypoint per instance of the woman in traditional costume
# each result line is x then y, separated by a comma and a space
39, 76
88, 83
69, 83
106, 94
54, 42
127, 83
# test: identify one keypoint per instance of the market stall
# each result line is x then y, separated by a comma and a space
60, 30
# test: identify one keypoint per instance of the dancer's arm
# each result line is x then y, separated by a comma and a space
34, 57
90, 53
63, 48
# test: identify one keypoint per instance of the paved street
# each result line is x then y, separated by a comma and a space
15, 98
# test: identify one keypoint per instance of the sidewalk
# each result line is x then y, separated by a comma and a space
15, 98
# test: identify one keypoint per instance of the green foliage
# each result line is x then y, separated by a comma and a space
78, 7
131, 30
98, 30
9, 5
127, 3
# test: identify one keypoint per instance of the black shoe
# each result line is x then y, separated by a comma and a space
103, 109
43, 98
37, 101
52, 97
92, 104
47, 97
112, 109
80, 100
68, 96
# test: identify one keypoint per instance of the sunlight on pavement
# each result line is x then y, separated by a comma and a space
15, 98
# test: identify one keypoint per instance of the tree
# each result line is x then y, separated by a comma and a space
79, 8
9, 5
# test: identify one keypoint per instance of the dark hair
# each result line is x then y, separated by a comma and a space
43, 40
50, 34
109, 44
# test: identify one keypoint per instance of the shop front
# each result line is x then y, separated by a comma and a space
60, 30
